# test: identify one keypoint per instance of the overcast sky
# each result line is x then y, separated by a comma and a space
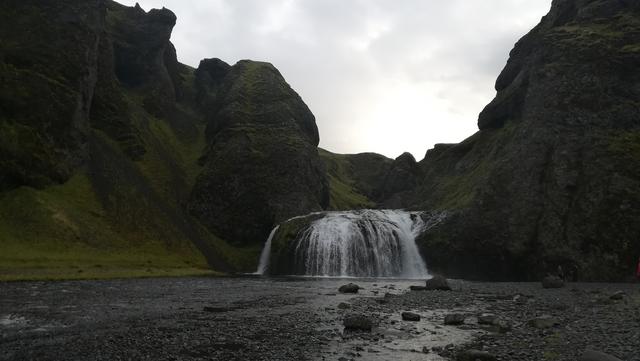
380, 75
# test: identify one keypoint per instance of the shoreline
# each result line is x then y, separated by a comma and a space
105, 273
225, 318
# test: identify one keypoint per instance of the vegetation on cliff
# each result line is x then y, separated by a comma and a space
114, 156
551, 177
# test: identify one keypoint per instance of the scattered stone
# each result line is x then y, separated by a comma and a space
437, 283
344, 306
425, 349
349, 288
410, 316
454, 319
552, 282
590, 355
475, 355
417, 288
487, 319
543, 322
357, 322
520, 299
217, 309
502, 326
617, 296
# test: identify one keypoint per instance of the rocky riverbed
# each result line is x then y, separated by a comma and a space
302, 319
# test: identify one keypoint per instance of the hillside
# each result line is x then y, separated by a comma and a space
109, 147
552, 177
117, 160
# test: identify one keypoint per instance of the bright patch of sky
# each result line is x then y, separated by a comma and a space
380, 75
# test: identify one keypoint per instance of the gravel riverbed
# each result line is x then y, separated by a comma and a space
302, 319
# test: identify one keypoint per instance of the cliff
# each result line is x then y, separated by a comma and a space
552, 176
116, 159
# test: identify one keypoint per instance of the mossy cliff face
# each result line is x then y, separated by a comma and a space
100, 136
48, 58
355, 180
370, 180
552, 176
261, 164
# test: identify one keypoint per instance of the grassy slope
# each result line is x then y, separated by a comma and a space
63, 232
82, 229
344, 193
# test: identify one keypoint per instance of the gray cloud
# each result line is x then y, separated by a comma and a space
380, 75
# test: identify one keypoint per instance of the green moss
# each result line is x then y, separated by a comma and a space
344, 194
590, 30
63, 229
282, 245
631, 48
242, 259
168, 160
97, 271
626, 145
459, 190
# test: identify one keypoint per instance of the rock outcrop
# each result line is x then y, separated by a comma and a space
93, 92
261, 164
105, 138
46, 88
552, 176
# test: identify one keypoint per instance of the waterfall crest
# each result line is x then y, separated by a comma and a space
362, 243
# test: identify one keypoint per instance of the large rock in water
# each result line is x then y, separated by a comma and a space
553, 176
261, 165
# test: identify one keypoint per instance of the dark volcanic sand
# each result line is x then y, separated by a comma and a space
297, 319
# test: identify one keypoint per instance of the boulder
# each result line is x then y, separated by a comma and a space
410, 316
454, 319
544, 321
495, 324
437, 283
475, 355
349, 288
590, 355
357, 322
552, 282
617, 296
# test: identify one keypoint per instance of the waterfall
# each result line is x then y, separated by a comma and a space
362, 243
266, 253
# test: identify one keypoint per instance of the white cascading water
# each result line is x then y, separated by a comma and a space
266, 253
363, 243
